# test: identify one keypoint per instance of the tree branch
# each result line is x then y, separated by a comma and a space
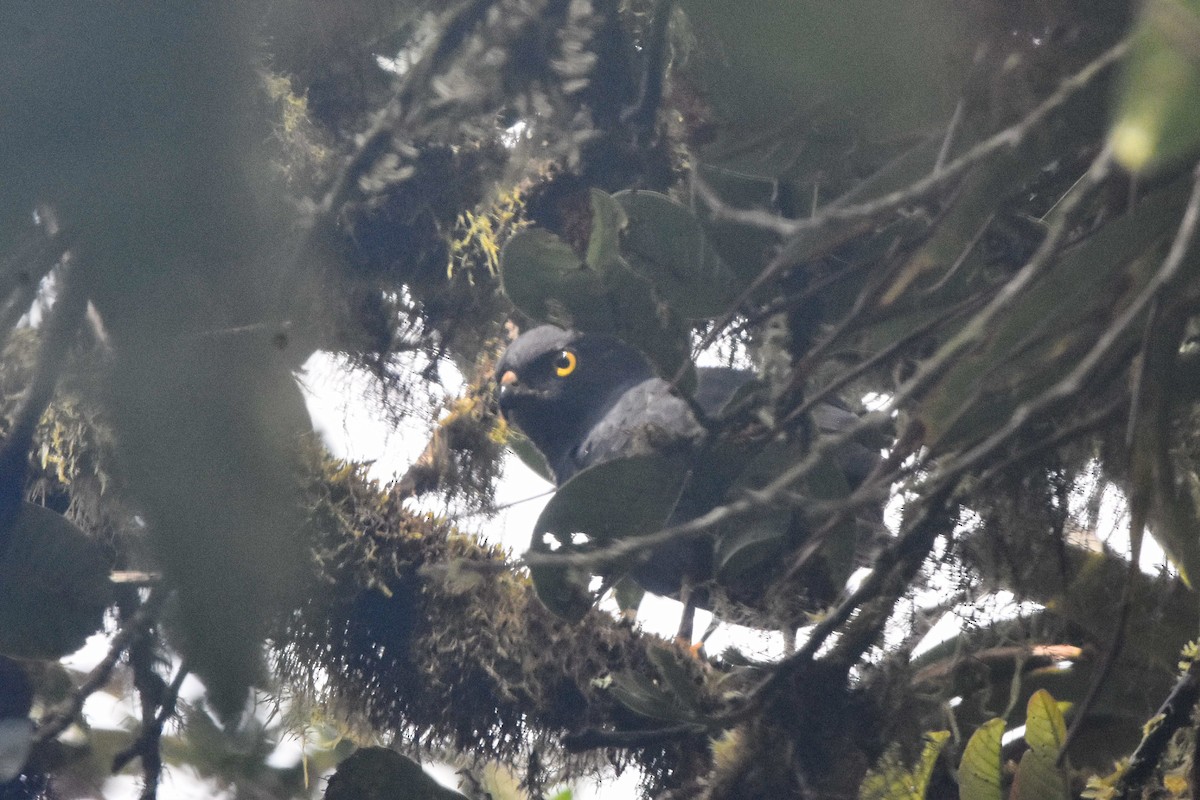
1172, 715
1076, 378
870, 212
146, 746
60, 330
643, 114
58, 720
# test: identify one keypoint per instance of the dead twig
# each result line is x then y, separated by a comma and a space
61, 718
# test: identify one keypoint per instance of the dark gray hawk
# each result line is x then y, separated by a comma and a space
586, 398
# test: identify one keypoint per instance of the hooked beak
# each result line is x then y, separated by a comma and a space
508, 382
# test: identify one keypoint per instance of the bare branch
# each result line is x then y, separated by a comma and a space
869, 212
642, 115
1172, 716
58, 720
146, 746
1076, 378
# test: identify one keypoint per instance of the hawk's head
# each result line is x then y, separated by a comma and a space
555, 385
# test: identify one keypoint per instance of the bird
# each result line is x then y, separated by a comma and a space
585, 398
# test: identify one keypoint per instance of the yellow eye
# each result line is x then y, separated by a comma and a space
564, 364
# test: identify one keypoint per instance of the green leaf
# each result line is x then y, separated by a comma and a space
652, 327
377, 773
1045, 728
604, 242
744, 248
529, 454
750, 544
1157, 121
957, 233
891, 780
548, 282
826, 482
979, 771
1038, 776
628, 595
617, 499
666, 244
833, 84
746, 547
54, 586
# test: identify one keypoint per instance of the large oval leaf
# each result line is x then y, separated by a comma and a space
1045, 728
548, 281
54, 586
614, 500
749, 545
893, 780
666, 244
979, 771
653, 328
604, 241
1157, 121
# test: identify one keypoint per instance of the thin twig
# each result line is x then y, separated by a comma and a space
57, 721
1075, 379
912, 547
496, 509
1008, 139
147, 742
1172, 716
951, 133
643, 114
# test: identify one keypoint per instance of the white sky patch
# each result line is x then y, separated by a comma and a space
184, 783
343, 404
993, 608
1011, 736
513, 134
418, 43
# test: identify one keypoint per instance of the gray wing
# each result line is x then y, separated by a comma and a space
855, 460
647, 418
